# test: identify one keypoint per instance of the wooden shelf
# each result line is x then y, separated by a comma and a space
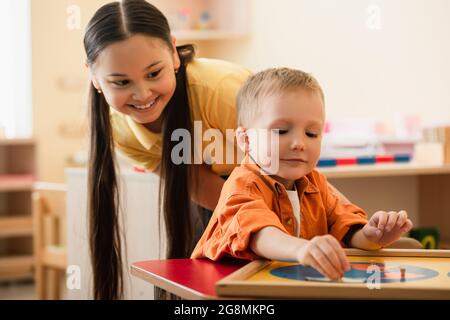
17, 177
14, 226
16, 182
16, 267
383, 170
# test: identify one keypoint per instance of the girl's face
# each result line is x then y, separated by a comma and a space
137, 76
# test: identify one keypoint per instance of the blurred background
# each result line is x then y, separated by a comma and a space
384, 66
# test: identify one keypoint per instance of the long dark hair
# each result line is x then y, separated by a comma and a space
115, 22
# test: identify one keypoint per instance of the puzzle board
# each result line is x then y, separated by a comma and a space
426, 275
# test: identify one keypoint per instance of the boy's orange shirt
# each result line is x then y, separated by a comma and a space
250, 201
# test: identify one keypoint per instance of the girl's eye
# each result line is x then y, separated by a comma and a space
154, 74
121, 83
312, 135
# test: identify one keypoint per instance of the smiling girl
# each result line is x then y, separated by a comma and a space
143, 88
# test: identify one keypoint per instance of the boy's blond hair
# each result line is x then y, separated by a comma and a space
274, 81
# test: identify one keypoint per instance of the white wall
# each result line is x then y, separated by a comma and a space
373, 58
404, 66
15, 63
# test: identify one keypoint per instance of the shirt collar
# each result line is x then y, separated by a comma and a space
303, 185
145, 137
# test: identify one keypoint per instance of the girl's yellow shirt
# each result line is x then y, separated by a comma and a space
212, 87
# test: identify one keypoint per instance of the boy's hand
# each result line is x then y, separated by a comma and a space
325, 254
386, 227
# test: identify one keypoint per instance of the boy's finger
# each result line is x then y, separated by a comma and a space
407, 226
374, 219
330, 271
317, 266
372, 232
402, 217
391, 221
330, 252
382, 219
340, 253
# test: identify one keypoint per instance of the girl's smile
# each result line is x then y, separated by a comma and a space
144, 106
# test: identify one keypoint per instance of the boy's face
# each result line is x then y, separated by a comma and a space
296, 118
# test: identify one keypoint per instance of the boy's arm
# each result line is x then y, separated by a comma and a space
323, 253
360, 241
273, 244
342, 216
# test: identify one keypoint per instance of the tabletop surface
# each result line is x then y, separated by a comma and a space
189, 278
197, 278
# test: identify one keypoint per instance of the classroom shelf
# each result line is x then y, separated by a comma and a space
226, 19
16, 226
421, 190
17, 176
16, 267
383, 170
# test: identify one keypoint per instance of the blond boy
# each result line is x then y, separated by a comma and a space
276, 205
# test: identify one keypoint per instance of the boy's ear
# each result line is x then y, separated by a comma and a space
242, 139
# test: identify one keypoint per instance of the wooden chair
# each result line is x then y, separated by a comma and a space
49, 239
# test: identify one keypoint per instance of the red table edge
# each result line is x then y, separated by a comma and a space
170, 286
139, 270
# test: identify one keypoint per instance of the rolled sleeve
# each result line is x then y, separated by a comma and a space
243, 216
341, 217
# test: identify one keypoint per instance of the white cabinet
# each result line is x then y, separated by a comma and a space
139, 202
